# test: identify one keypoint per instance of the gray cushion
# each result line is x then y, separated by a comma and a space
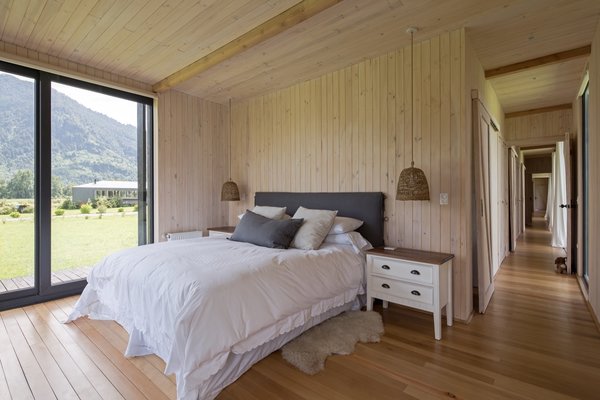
266, 232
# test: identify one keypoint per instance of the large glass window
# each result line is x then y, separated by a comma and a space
69, 152
17, 185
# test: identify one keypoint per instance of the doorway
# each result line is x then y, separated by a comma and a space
540, 193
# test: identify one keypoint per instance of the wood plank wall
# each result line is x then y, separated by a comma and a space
539, 126
191, 163
594, 176
349, 130
31, 58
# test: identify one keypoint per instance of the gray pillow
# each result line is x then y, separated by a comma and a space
266, 232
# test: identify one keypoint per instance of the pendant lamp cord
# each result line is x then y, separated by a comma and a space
229, 136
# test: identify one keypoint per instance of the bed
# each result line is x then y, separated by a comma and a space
211, 307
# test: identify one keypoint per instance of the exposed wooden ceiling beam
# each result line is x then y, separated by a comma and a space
567, 106
280, 23
537, 62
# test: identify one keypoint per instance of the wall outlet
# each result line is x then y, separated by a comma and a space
444, 199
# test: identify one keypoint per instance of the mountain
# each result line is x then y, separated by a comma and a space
86, 145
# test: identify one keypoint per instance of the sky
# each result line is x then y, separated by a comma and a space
124, 111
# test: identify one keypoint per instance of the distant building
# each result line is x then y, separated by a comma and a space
127, 191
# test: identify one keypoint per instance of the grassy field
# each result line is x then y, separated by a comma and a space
76, 241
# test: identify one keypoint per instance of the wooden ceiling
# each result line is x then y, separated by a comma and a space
148, 40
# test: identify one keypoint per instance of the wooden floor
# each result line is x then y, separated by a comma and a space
537, 341
26, 282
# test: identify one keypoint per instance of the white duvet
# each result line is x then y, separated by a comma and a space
192, 302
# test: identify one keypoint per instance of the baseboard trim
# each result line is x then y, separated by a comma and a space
583, 288
593, 314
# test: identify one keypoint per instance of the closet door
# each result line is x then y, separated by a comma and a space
482, 132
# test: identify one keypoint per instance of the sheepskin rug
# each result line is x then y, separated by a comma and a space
337, 335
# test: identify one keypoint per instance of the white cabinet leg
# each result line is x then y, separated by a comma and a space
385, 304
369, 303
437, 324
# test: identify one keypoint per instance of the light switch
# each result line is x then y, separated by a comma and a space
444, 199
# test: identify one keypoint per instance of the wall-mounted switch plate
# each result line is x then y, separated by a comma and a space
444, 199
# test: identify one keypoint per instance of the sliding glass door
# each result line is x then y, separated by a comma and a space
75, 180
18, 200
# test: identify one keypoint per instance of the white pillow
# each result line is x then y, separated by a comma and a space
268, 212
344, 225
317, 224
354, 239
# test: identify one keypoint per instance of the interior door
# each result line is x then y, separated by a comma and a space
482, 132
513, 192
569, 201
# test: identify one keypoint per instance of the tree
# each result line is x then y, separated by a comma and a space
3, 190
59, 189
21, 185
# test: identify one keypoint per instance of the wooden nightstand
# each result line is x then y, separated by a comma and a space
413, 278
221, 231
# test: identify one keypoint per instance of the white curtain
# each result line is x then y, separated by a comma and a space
550, 203
559, 225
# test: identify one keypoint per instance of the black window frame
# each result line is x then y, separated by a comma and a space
43, 289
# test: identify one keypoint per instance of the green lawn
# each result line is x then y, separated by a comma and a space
76, 241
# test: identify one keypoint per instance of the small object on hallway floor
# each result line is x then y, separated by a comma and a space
560, 265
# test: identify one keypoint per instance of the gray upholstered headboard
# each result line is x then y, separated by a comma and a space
366, 206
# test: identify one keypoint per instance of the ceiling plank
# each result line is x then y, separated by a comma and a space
280, 23
537, 62
567, 106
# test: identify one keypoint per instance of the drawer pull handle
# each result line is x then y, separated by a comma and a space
385, 267
415, 272
385, 286
415, 293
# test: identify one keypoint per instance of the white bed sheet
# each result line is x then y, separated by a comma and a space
194, 302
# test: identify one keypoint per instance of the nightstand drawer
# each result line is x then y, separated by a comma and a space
409, 291
402, 269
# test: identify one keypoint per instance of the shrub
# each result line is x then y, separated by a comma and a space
115, 202
135, 207
15, 214
121, 209
102, 209
85, 208
28, 209
100, 201
68, 205
6, 210
59, 211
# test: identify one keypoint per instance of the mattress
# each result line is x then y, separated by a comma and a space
197, 303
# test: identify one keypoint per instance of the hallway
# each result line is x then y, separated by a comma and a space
537, 323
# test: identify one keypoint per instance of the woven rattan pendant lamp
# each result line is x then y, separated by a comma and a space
230, 191
412, 184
